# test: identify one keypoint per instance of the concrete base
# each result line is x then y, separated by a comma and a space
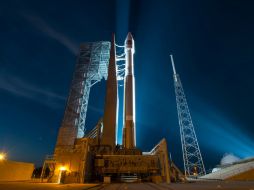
217, 185
245, 176
107, 179
156, 179
15, 171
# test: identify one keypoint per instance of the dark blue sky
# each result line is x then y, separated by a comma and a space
212, 42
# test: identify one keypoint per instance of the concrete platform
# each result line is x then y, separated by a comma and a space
129, 186
27, 185
15, 171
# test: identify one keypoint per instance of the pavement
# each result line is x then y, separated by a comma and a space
221, 185
43, 186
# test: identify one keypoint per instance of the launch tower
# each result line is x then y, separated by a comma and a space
193, 162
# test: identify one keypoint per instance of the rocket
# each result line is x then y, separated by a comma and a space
129, 130
111, 101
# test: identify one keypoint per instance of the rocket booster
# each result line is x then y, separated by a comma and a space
111, 101
129, 131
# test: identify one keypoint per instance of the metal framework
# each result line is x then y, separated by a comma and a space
120, 63
91, 67
193, 162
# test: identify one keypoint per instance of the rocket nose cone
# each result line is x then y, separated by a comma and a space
129, 41
113, 38
129, 36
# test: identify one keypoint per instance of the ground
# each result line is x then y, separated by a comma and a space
129, 186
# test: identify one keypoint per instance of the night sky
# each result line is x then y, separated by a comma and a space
212, 43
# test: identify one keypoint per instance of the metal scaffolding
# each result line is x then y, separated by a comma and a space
91, 67
193, 162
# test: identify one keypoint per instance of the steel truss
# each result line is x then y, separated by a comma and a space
193, 162
91, 67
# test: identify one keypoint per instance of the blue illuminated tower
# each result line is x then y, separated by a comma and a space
193, 162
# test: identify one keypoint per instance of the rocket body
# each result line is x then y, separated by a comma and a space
111, 102
129, 130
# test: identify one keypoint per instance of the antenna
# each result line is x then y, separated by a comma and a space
174, 69
173, 64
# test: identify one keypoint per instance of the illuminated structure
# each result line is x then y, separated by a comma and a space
193, 162
129, 132
2, 156
91, 67
95, 156
240, 170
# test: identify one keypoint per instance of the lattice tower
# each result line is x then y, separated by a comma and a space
193, 162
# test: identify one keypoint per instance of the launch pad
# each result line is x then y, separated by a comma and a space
96, 157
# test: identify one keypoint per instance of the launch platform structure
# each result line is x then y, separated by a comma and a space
96, 156
91, 67
193, 162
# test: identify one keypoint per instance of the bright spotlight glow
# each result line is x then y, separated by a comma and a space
62, 168
2, 156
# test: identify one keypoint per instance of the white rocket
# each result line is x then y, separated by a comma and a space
129, 130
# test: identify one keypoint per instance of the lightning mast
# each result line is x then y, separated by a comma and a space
193, 162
